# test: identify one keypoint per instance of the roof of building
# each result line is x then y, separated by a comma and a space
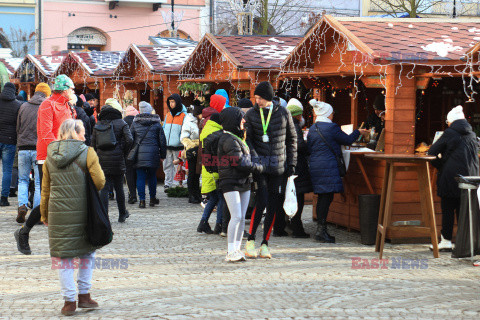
161, 58
11, 64
99, 63
400, 40
161, 41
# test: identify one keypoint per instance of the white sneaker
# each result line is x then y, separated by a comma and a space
444, 245
235, 256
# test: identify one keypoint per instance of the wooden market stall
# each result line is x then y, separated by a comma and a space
35, 69
11, 64
152, 72
237, 63
348, 61
92, 71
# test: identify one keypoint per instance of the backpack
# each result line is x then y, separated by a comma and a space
209, 151
105, 136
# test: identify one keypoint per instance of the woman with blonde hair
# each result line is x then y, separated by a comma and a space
63, 208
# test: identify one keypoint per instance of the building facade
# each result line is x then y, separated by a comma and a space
18, 26
107, 25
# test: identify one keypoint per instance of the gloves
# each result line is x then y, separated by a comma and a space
290, 171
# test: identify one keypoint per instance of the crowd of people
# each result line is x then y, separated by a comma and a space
239, 158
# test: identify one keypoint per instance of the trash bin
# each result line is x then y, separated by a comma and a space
467, 240
368, 207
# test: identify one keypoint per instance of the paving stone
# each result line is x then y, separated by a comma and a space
176, 273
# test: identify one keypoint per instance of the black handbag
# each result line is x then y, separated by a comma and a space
342, 168
98, 229
132, 155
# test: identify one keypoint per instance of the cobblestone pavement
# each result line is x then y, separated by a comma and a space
175, 273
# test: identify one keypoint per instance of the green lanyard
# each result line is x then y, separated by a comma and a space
265, 125
246, 145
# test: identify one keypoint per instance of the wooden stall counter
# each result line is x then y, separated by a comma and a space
426, 226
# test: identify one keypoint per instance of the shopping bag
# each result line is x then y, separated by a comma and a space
290, 205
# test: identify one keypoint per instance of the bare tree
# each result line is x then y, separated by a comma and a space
269, 16
412, 7
21, 42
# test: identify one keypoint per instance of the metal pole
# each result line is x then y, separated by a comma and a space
454, 9
173, 18
470, 222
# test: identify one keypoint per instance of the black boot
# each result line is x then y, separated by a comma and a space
13, 193
4, 202
218, 228
204, 227
21, 237
154, 201
297, 230
322, 234
132, 199
141, 204
193, 199
123, 217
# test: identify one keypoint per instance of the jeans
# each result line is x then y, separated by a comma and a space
144, 175
84, 277
169, 168
116, 182
27, 162
215, 199
7, 153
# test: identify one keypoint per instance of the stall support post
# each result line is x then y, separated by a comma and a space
400, 103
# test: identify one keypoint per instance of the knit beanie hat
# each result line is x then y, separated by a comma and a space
295, 107
197, 110
322, 109
455, 114
114, 104
131, 111
264, 90
145, 107
245, 103
89, 97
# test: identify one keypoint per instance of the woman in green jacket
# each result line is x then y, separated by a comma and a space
63, 208
209, 180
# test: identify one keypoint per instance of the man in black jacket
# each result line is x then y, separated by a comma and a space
272, 139
9, 107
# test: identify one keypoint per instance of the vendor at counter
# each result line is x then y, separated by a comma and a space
374, 120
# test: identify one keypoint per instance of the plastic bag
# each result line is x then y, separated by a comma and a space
290, 205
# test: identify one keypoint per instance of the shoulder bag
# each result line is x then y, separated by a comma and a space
342, 169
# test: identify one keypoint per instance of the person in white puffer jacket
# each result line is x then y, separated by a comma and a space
190, 139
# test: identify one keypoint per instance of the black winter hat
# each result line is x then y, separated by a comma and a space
231, 118
264, 90
197, 110
245, 103
89, 97
215, 117
9, 85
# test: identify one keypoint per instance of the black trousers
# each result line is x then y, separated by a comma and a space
35, 215
115, 182
450, 208
296, 222
323, 205
131, 175
193, 179
269, 195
